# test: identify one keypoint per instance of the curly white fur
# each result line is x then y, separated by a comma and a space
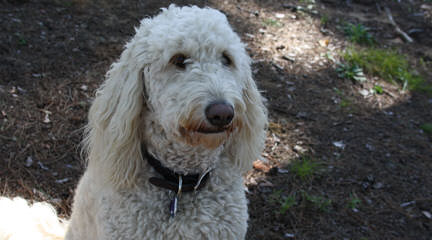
146, 100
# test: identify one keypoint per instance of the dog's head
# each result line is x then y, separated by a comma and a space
188, 73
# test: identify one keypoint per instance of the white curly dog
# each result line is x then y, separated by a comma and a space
177, 122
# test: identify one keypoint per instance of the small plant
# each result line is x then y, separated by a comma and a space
21, 40
318, 202
427, 128
378, 89
387, 64
324, 19
272, 22
344, 103
351, 71
304, 168
287, 203
354, 202
275, 196
358, 34
329, 55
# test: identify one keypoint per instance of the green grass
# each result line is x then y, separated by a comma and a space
287, 203
344, 101
304, 168
427, 128
387, 64
354, 202
378, 89
358, 34
21, 40
324, 19
321, 203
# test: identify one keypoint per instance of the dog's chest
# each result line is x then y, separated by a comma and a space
218, 211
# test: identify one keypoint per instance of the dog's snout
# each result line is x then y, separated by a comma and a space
219, 114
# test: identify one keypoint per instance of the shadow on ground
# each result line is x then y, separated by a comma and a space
54, 55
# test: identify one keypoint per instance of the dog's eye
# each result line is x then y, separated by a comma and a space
226, 60
179, 60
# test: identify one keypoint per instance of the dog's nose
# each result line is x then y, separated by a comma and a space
219, 114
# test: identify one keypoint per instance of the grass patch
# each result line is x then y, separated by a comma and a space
358, 34
287, 203
354, 202
304, 168
321, 203
427, 128
378, 89
387, 64
324, 19
344, 101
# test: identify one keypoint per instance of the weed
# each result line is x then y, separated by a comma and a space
359, 34
324, 19
378, 89
351, 71
329, 55
387, 64
354, 202
304, 168
275, 196
287, 203
427, 128
422, 62
345, 103
318, 202
21, 40
272, 22
338, 92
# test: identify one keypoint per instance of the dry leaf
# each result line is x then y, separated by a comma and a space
259, 165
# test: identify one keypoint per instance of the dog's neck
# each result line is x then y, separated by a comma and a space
177, 155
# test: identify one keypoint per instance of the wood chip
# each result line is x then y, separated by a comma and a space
261, 166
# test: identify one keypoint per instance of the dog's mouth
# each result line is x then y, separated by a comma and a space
207, 135
206, 130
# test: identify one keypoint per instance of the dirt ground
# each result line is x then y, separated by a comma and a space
371, 161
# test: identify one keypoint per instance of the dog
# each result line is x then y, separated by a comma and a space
170, 133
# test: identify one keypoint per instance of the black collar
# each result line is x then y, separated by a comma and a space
170, 180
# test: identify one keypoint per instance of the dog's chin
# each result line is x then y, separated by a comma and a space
210, 138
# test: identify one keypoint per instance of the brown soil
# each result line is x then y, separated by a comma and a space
54, 54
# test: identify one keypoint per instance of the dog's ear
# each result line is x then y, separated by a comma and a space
113, 132
247, 144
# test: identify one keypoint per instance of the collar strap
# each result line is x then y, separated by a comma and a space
170, 180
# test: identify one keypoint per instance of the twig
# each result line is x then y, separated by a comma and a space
397, 28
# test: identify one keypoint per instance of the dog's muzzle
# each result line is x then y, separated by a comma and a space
214, 129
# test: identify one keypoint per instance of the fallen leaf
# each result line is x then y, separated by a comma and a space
324, 42
261, 166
